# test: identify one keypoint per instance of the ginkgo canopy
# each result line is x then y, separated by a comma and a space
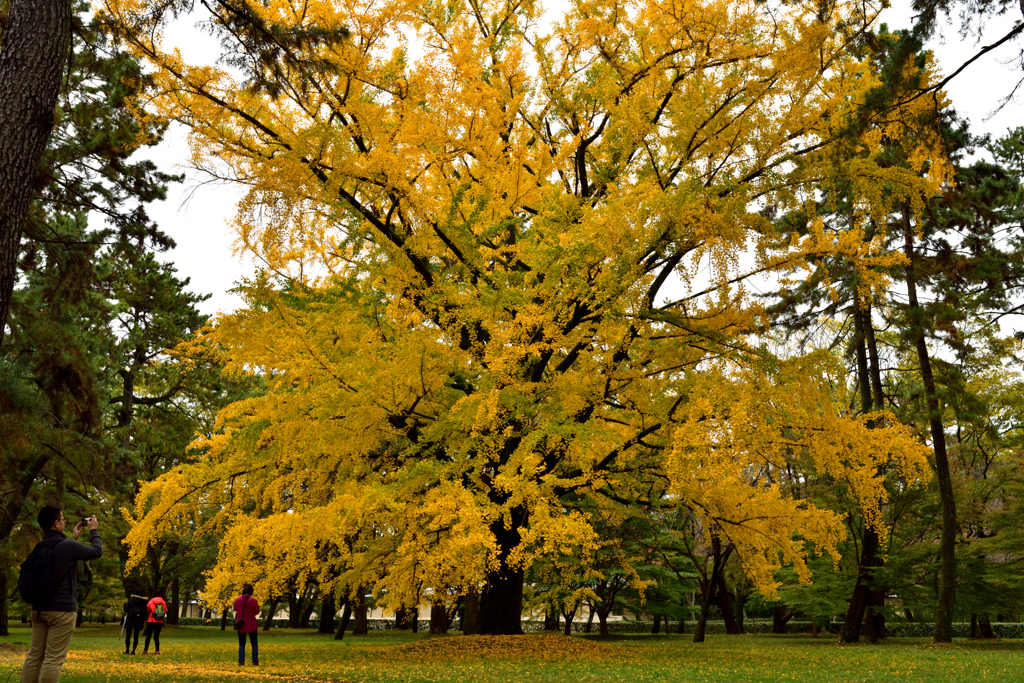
505, 286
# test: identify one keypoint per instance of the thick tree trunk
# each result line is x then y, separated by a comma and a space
501, 605
223, 618
32, 60
307, 614
682, 626
781, 617
602, 620
346, 614
438, 619
404, 618
725, 605
657, 624
327, 612
850, 632
361, 627
947, 544
471, 613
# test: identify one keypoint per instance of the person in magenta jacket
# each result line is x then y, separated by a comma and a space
157, 609
247, 608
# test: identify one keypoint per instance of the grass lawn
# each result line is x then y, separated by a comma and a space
205, 654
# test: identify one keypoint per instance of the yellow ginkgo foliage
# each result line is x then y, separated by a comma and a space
505, 287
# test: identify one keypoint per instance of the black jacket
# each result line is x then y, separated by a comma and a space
65, 557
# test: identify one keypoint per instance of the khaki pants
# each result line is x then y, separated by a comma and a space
51, 636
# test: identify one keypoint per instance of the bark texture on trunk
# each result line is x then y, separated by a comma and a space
438, 619
361, 627
32, 60
470, 612
850, 632
327, 611
947, 545
725, 605
501, 604
780, 619
710, 587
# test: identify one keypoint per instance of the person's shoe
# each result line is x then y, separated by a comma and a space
157, 652
126, 652
145, 652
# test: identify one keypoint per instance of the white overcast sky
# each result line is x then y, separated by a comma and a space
197, 213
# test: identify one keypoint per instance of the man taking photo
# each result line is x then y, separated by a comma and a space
50, 571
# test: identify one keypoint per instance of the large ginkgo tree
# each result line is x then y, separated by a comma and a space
506, 261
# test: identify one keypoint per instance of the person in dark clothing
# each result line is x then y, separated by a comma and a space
247, 608
135, 612
157, 610
53, 624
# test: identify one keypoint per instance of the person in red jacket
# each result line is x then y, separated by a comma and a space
247, 608
157, 609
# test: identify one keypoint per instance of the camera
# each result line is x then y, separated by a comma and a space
85, 520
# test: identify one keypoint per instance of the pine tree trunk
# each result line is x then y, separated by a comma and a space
850, 632
869, 379
327, 612
32, 60
947, 544
657, 624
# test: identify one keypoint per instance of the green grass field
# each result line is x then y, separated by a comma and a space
204, 654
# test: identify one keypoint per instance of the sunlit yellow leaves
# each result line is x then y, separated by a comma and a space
505, 285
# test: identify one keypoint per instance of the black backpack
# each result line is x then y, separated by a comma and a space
136, 608
37, 582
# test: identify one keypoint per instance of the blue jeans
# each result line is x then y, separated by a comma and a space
241, 647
